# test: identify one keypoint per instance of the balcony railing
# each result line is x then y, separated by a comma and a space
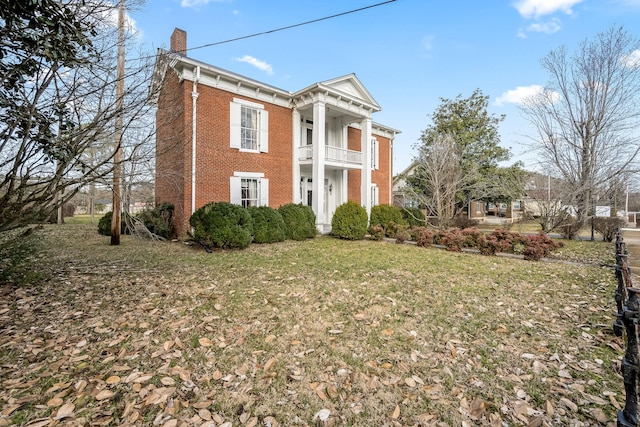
333, 154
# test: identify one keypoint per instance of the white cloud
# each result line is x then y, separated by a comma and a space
632, 60
549, 27
196, 3
537, 8
261, 65
518, 95
110, 17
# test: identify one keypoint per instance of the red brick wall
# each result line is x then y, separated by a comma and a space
383, 175
354, 142
216, 161
170, 141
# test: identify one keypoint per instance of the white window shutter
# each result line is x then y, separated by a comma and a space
264, 192
375, 154
235, 193
264, 131
235, 121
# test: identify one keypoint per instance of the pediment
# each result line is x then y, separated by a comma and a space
350, 86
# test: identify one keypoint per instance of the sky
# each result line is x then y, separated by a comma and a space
409, 54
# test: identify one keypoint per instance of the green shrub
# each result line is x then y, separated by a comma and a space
222, 225
607, 227
158, 220
268, 225
104, 225
385, 215
349, 221
413, 217
299, 221
376, 232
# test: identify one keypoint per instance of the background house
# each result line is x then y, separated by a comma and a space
224, 137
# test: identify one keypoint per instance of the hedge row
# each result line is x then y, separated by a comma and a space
224, 225
532, 247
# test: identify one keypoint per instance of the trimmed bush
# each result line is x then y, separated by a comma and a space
104, 225
299, 221
349, 221
158, 220
423, 237
539, 246
607, 227
268, 225
222, 225
388, 216
471, 237
376, 232
413, 217
452, 240
490, 244
402, 236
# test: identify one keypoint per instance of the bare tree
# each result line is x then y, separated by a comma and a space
439, 179
61, 103
544, 201
587, 118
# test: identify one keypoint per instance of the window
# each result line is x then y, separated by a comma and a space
249, 192
375, 154
249, 189
374, 195
249, 126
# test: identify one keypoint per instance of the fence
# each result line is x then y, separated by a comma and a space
627, 320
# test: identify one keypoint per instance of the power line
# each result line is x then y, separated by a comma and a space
292, 26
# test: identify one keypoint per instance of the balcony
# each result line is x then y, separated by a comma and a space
335, 156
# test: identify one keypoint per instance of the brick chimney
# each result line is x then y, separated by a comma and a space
178, 41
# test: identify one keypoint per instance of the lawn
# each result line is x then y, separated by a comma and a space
321, 332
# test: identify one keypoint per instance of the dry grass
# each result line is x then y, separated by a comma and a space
360, 333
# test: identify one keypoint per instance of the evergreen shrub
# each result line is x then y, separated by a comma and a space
349, 221
104, 225
158, 220
268, 225
413, 217
222, 225
385, 215
299, 221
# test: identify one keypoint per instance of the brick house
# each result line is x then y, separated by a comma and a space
221, 136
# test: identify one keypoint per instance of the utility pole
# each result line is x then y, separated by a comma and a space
117, 157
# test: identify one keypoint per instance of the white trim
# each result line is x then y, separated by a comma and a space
249, 103
248, 174
194, 123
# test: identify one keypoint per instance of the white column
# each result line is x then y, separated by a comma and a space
295, 196
365, 184
318, 161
